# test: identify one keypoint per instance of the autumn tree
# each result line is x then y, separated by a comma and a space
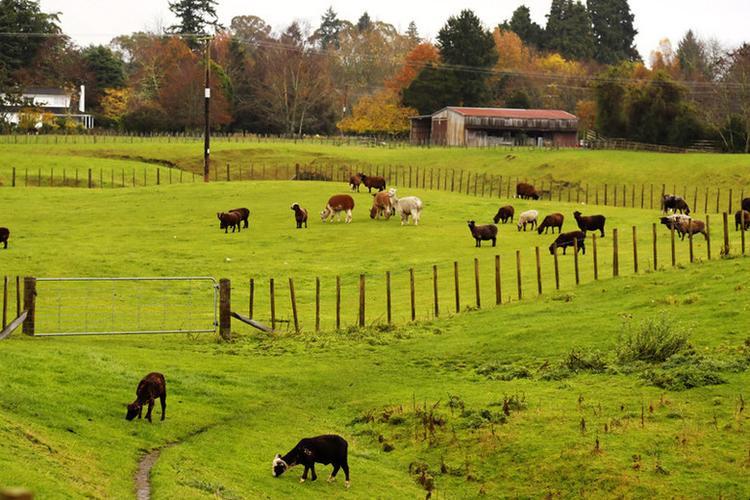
378, 114
413, 64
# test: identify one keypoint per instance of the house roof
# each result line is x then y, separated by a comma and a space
549, 114
45, 91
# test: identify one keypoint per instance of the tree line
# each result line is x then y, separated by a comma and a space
367, 77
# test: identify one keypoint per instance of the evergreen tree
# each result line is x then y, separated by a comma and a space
329, 30
22, 16
413, 34
464, 42
432, 90
107, 66
610, 104
691, 53
522, 25
195, 16
569, 30
614, 34
364, 23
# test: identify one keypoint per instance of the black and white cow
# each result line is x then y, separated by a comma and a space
326, 449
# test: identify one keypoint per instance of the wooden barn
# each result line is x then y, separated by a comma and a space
482, 127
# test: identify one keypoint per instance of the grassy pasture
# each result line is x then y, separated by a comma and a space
576, 167
232, 406
173, 231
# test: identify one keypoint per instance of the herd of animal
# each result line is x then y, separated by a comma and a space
327, 449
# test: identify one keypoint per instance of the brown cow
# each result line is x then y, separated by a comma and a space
337, 204
151, 387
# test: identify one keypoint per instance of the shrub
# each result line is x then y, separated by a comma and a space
653, 341
579, 360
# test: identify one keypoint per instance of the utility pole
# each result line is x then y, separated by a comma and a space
207, 113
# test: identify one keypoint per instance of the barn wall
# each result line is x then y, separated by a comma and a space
455, 134
420, 131
565, 139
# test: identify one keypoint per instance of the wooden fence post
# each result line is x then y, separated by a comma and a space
705, 204
273, 303
13, 180
538, 271
730, 201
225, 309
361, 300
742, 229
91, 179
158, 176
726, 234
456, 285
411, 295
635, 251
596, 257
29, 304
615, 255
317, 304
674, 255
518, 274
5, 302
718, 196
18, 296
293, 298
498, 282
338, 302
690, 240
651, 197
605, 195
575, 261
557, 266
476, 283
251, 300
656, 257
708, 237
435, 290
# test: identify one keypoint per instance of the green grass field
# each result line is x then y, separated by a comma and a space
622, 387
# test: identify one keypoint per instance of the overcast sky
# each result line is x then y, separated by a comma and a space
98, 21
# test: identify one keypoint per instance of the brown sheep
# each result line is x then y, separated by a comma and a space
551, 221
337, 204
4, 236
483, 233
691, 226
741, 215
590, 223
382, 206
231, 219
300, 215
505, 214
355, 181
151, 387
244, 214
746, 204
526, 191
566, 240
372, 182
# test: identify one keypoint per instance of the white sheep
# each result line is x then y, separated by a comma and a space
409, 206
528, 217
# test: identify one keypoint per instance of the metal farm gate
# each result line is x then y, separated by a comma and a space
123, 306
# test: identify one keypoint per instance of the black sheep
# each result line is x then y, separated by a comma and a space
326, 449
4, 236
300, 215
483, 233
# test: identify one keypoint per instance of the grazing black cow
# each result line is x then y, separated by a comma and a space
326, 449
4, 235
566, 240
151, 387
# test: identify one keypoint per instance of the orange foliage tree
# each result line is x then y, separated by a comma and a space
414, 62
378, 114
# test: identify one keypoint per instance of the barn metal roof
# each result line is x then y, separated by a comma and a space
549, 114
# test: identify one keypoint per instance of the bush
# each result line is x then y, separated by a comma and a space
653, 341
579, 360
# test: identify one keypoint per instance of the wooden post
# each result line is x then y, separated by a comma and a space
317, 304
476, 283
705, 204
643, 195
251, 300
388, 296
587, 193
13, 181
5, 302
538, 271
225, 309
651, 197
690, 240
615, 255
730, 201
596, 257
455, 280
435, 290
726, 234
293, 298
518, 274
498, 282
635, 251
338, 302
18, 296
557, 266
91, 179
718, 196
605, 195
674, 255
695, 200
656, 257
575, 261
614, 192
412, 296
708, 237
158, 176
361, 300
29, 305
273, 304
742, 229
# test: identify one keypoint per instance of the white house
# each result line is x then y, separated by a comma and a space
57, 102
